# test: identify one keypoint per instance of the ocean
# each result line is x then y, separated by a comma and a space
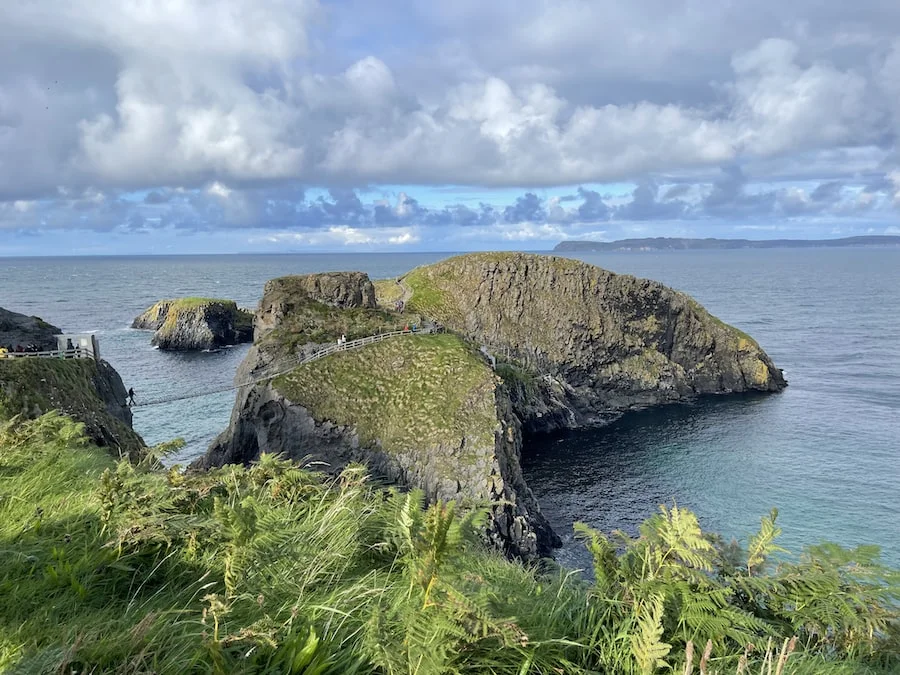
825, 452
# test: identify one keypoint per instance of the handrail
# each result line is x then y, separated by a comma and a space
77, 353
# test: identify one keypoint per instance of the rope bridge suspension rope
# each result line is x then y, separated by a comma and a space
315, 356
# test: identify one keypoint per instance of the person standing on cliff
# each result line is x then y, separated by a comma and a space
130, 400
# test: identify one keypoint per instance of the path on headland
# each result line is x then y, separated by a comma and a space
309, 358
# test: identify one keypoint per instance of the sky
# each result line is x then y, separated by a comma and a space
227, 126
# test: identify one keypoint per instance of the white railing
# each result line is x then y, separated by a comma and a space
362, 342
78, 353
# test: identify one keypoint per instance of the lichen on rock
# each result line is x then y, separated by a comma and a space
614, 342
186, 324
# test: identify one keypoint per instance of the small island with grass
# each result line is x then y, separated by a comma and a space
186, 324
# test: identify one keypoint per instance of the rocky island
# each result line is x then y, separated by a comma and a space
186, 324
280, 567
533, 344
89, 391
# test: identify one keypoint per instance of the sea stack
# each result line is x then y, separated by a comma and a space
187, 324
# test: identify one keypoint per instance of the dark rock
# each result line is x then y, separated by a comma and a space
574, 346
18, 329
194, 324
594, 344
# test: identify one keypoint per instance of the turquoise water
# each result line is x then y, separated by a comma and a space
825, 451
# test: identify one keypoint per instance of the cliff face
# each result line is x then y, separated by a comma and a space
593, 343
196, 323
17, 329
88, 391
418, 410
298, 314
573, 345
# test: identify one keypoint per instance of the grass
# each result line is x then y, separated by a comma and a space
387, 292
416, 391
182, 304
430, 296
113, 567
34, 386
318, 323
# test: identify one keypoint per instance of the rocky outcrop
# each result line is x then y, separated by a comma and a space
298, 314
196, 323
88, 391
593, 344
428, 413
562, 345
286, 297
21, 330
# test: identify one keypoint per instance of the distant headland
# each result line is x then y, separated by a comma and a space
680, 243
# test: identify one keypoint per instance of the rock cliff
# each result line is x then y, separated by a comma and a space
88, 391
298, 314
196, 323
589, 344
540, 343
419, 410
18, 329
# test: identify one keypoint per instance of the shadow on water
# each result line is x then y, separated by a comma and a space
616, 476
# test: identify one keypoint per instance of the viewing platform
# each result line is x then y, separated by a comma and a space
77, 346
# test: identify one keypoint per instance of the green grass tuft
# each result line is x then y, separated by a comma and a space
113, 567
418, 391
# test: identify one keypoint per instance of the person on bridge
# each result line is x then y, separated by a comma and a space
130, 400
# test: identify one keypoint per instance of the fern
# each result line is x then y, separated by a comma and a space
646, 643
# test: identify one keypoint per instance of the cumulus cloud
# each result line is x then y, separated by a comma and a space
230, 113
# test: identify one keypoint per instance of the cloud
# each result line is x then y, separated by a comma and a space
271, 114
645, 205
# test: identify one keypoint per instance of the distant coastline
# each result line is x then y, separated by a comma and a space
679, 243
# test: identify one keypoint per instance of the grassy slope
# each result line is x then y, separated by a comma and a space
440, 291
110, 567
408, 392
35, 386
316, 322
387, 292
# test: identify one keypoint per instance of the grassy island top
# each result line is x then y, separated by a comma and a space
409, 392
112, 567
184, 304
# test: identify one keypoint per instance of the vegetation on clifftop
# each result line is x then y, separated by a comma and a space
318, 323
33, 386
112, 567
408, 392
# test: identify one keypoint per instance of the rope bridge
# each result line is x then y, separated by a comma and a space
315, 356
